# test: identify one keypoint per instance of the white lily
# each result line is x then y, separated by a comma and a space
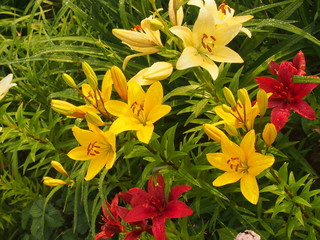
223, 13
206, 43
5, 85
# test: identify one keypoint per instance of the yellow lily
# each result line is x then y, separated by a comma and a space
241, 115
97, 146
223, 13
158, 71
71, 110
240, 163
206, 43
142, 39
175, 12
141, 111
5, 85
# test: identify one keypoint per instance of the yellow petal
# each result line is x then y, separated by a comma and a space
211, 67
79, 153
225, 54
248, 142
144, 134
227, 178
153, 97
258, 163
219, 160
84, 137
95, 167
136, 95
246, 31
249, 188
124, 124
184, 33
220, 111
190, 57
232, 149
225, 33
117, 108
106, 87
158, 112
213, 132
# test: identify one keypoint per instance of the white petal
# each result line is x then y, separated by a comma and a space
246, 31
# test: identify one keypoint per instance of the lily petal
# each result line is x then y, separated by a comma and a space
280, 115
177, 209
123, 124
190, 57
184, 33
219, 160
303, 108
144, 134
227, 178
211, 67
79, 153
249, 188
258, 163
95, 167
225, 54
158, 112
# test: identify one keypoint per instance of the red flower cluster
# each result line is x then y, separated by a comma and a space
287, 95
146, 206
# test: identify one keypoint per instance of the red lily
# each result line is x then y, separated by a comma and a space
287, 95
153, 204
111, 218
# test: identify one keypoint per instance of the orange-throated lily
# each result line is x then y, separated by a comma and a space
141, 111
206, 43
97, 146
240, 163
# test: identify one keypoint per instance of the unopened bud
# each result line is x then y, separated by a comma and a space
262, 101
159, 71
243, 96
52, 182
91, 76
231, 129
213, 132
269, 134
63, 107
155, 24
69, 80
226, 108
94, 119
119, 82
57, 166
106, 87
229, 96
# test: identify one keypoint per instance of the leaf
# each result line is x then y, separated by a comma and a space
305, 79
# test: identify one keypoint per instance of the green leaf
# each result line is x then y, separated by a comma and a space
305, 79
301, 201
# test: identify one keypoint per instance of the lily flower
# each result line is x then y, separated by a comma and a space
141, 39
287, 95
223, 13
240, 115
240, 163
97, 146
5, 85
142, 110
111, 218
153, 204
206, 44
176, 12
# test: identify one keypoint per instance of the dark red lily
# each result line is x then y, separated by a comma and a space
287, 95
153, 204
112, 223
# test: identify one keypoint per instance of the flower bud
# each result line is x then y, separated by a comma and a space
269, 134
63, 107
57, 166
94, 119
243, 96
69, 80
229, 96
120, 82
262, 101
52, 182
273, 67
106, 87
213, 132
159, 71
226, 108
231, 129
155, 24
91, 76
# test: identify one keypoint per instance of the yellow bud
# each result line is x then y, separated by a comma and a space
91, 76
158, 71
63, 107
226, 108
269, 134
243, 96
229, 96
231, 130
94, 119
120, 82
69, 80
262, 101
155, 24
57, 166
106, 87
213, 132
52, 182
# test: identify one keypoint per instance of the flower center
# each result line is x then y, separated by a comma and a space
237, 165
208, 42
92, 149
138, 110
224, 8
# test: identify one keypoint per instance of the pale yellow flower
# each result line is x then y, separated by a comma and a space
206, 44
240, 163
5, 85
176, 12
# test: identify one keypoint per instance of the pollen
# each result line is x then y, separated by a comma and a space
208, 42
92, 149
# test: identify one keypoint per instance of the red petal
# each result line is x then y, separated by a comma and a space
275, 101
303, 108
157, 190
273, 67
122, 212
269, 84
158, 228
299, 62
140, 213
177, 209
176, 191
135, 196
114, 205
280, 115
286, 70
300, 90
133, 235
104, 234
